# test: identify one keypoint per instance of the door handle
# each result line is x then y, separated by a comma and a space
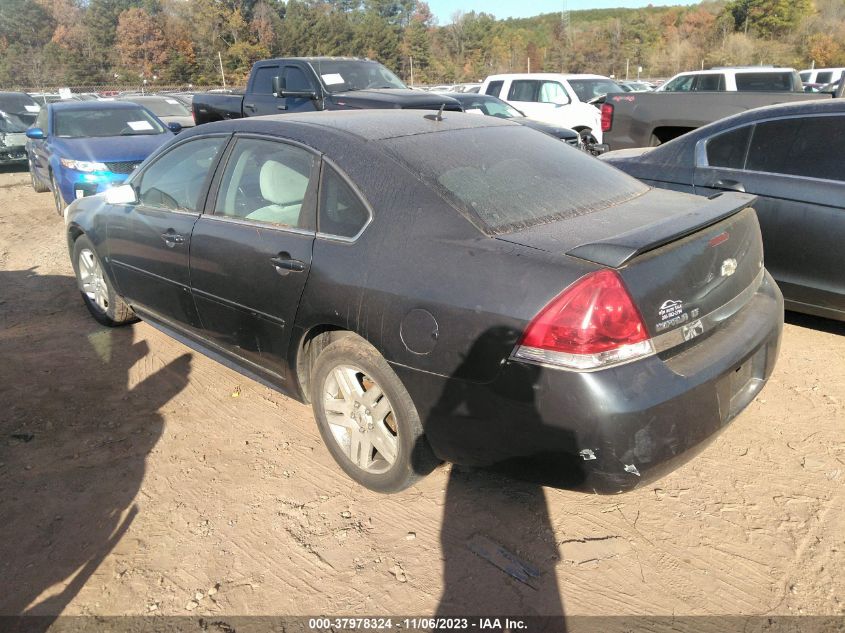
172, 239
249, 106
282, 107
730, 185
284, 264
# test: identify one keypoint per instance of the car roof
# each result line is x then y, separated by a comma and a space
737, 69
547, 76
367, 125
89, 105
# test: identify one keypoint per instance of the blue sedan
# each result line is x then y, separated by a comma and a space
77, 149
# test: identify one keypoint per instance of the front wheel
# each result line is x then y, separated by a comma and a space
37, 185
57, 195
97, 294
367, 418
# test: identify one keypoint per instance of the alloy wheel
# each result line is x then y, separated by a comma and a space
361, 419
92, 280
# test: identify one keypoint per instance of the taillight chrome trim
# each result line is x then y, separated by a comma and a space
584, 362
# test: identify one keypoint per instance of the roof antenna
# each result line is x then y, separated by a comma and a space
438, 116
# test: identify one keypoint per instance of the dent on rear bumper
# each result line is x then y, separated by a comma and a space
607, 431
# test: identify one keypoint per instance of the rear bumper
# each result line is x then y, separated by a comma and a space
607, 431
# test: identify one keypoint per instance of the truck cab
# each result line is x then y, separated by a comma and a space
308, 84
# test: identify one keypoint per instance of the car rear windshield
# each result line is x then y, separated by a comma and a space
507, 178
775, 82
86, 122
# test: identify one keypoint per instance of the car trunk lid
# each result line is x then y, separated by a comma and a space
683, 258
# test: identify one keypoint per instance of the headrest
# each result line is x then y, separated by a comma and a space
280, 184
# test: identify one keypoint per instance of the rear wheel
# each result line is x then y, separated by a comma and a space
57, 195
367, 418
37, 185
97, 294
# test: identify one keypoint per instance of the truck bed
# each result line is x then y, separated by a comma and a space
647, 119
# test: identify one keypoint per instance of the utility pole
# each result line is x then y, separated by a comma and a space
626, 68
529, 65
412, 70
222, 74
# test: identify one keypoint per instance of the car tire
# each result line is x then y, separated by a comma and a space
57, 195
97, 293
37, 185
367, 418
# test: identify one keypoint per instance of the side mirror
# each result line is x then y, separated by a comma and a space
175, 127
35, 133
278, 85
280, 91
124, 194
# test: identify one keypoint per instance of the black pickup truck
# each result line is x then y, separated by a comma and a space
306, 84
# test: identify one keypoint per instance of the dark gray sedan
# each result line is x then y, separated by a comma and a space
791, 156
451, 287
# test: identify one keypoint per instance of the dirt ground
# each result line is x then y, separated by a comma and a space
138, 477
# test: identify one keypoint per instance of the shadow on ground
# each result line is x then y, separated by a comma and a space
74, 437
499, 546
815, 323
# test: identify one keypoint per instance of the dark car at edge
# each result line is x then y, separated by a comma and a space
792, 157
450, 287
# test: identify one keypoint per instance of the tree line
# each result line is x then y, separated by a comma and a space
102, 42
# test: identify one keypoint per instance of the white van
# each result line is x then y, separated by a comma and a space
554, 98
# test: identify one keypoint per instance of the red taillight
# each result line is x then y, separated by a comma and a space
591, 324
606, 117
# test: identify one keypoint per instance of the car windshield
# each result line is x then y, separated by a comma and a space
165, 106
490, 106
500, 190
587, 89
342, 75
97, 122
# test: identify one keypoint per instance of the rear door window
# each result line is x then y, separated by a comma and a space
729, 149
494, 88
268, 182
824, 77
799, 147
776, 82
342, 213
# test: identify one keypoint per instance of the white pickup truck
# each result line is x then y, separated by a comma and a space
555, 98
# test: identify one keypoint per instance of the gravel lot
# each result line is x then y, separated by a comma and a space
138, 477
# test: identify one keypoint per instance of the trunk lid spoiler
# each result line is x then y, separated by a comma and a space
618, 250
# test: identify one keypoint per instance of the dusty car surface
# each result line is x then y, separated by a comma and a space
786, 156
444, 287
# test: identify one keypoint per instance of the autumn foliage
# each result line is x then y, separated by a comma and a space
74, 42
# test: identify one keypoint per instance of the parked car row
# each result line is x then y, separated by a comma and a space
441, 281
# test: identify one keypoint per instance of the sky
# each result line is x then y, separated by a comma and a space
444, 9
